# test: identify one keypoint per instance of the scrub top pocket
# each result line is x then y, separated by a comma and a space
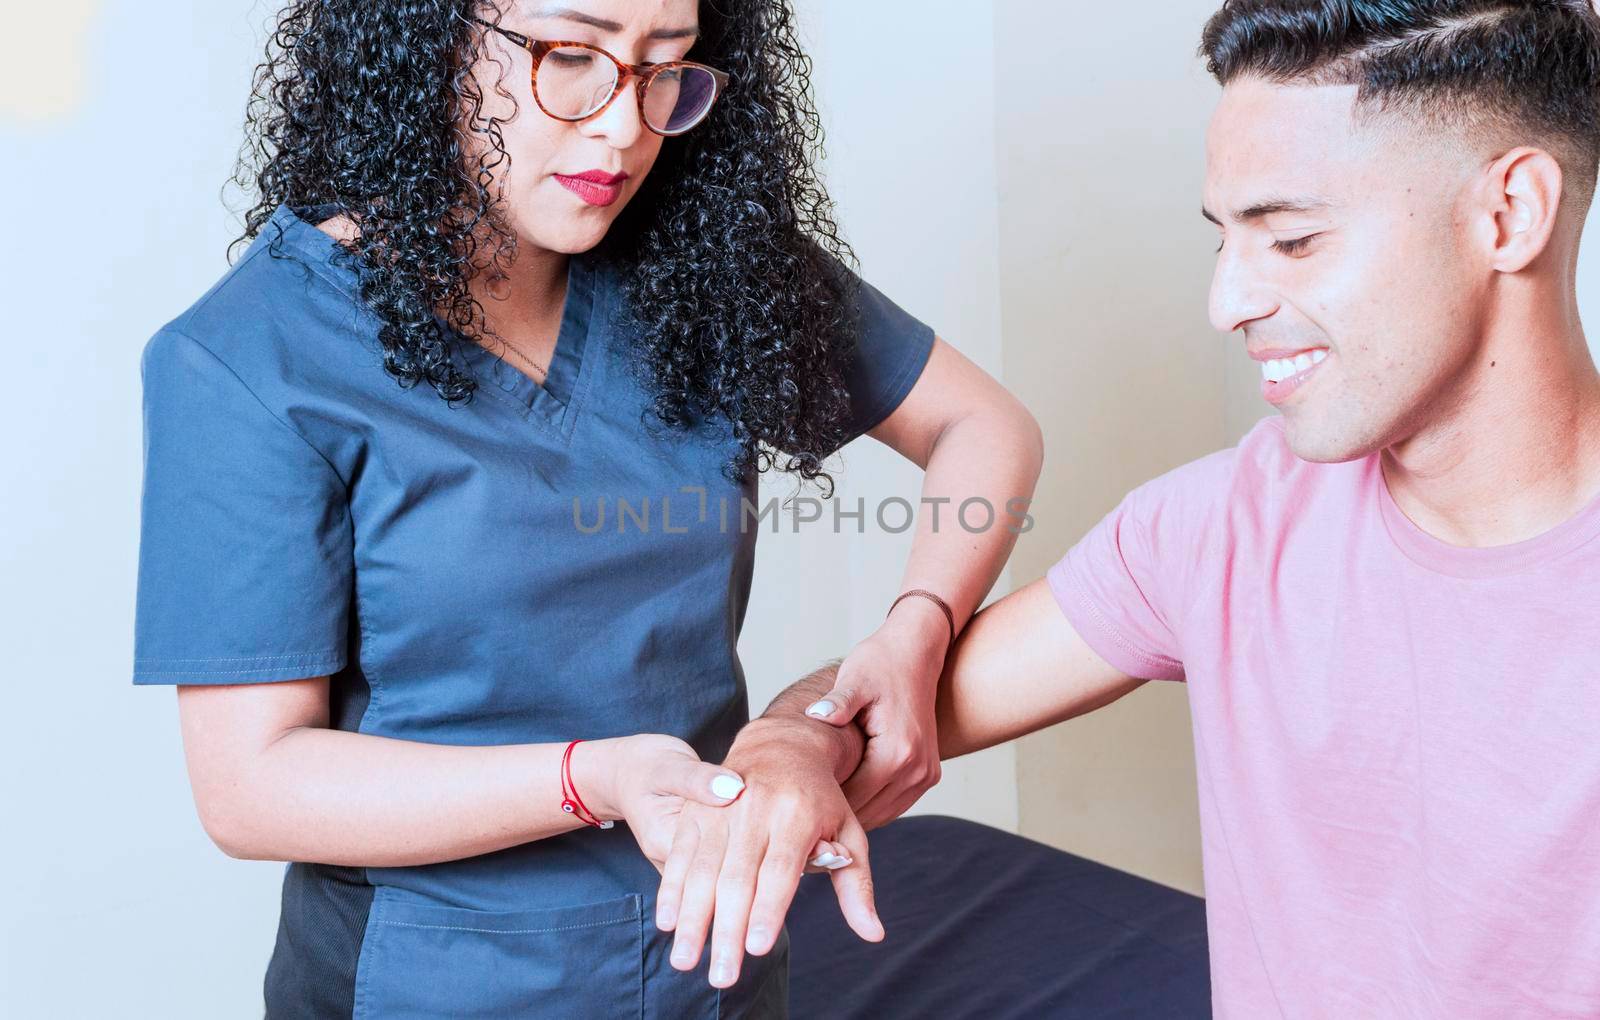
425, 960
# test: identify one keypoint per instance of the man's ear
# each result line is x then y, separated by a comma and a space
1523, 192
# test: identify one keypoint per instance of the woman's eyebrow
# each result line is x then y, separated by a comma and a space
606, 25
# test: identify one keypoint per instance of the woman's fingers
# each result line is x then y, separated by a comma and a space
853, 884
701, 782
838, 706
829, 856
891, 802
876, 772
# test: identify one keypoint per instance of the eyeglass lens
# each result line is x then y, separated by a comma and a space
574, 82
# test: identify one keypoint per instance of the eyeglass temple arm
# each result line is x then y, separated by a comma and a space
516, 37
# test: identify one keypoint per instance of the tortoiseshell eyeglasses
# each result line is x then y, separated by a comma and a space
573, 81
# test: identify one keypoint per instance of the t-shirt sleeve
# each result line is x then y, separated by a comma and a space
245, 546
892, 348
1125, 586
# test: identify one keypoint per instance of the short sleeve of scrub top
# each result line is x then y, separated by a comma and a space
530, 566
246, 556
892, 348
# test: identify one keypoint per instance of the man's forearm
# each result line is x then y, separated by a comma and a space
1017, 668
785, 720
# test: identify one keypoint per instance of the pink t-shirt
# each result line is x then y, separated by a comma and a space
1398, 740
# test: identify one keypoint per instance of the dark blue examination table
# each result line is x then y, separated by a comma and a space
982, 923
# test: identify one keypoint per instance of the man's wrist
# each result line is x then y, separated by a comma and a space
838, 749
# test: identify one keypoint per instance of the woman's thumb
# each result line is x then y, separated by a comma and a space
838, 707
707, 784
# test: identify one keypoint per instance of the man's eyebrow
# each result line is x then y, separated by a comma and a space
1271, 208
606, 25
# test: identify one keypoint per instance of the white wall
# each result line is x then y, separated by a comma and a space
118, 136
120, 130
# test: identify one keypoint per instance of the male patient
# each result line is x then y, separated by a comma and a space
1385, 601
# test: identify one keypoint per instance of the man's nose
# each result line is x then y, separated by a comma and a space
1238, 294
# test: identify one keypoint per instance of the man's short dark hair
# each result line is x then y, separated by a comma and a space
1529, 67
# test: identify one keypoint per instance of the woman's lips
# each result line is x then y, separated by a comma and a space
596, 187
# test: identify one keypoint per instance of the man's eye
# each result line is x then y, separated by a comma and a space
1294, 246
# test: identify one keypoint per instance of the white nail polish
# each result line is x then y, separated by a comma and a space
840, 862
726, 787
823, 860
821, 709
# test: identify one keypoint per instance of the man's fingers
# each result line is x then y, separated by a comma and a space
736, 887
775, 887
838, 706
670, 895
698, 902
853, 884
703, 783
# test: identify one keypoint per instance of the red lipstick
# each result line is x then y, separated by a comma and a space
595, 187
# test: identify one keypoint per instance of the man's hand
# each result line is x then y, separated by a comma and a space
645, 780
889, 684
733, 870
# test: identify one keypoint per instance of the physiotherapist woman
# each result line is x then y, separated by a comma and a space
509, 267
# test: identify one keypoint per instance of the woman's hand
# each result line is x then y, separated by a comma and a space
645, 780
734, 870
889, 684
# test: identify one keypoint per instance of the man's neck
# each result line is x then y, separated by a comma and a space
1518, 452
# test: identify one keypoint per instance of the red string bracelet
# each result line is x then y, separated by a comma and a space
571, 803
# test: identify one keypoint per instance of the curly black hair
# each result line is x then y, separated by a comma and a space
730, 259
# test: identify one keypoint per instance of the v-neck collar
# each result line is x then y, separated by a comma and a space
554, 398
554, 402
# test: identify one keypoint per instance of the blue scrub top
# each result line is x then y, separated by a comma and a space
302, 515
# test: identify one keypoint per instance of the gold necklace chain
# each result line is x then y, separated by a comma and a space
543, 372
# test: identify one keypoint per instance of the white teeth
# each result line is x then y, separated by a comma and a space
1280, 369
